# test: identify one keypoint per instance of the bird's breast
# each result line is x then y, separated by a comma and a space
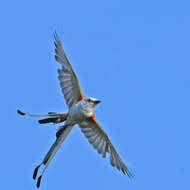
76, 114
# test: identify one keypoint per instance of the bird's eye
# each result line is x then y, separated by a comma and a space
89, 100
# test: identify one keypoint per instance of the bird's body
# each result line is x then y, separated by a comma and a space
80, 112
76, 114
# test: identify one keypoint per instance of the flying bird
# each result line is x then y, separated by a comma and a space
80, 112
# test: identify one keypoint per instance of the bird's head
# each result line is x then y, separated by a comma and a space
91, 102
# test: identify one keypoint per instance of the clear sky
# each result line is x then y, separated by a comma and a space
132, 55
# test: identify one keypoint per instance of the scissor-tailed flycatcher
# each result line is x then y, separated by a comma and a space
80, 112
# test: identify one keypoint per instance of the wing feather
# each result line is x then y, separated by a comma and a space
68, 80
98, 138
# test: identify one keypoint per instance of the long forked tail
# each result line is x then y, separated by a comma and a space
51, 153
53, 117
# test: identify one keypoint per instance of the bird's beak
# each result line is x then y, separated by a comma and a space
97, 101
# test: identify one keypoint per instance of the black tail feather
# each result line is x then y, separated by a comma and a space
52, 120
47, 120
36, 171
20, 112
38, 182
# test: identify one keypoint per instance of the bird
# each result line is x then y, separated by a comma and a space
80, 112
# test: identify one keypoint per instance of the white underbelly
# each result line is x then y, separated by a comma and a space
76, 114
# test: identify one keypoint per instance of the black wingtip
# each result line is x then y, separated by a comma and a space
38, 182
56, 36
55, 33
20, 112
130, 175
36, 172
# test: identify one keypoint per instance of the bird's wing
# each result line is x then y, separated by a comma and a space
68, 79
99, 139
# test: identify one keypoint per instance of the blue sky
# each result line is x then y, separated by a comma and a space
132, 55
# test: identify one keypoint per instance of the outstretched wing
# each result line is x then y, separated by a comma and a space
98, 138
68, 80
